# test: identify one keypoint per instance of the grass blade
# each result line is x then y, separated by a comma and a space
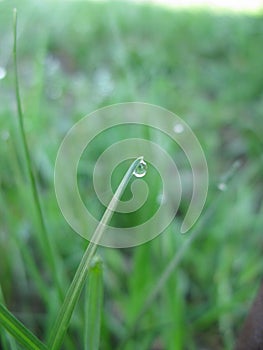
19, 331
4, 336
44, 234
77, 284
93, 305
175, 261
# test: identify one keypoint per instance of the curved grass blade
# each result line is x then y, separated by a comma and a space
19, 331
77, 284
93, 305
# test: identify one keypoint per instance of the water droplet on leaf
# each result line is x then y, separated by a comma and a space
141, 169
222, 186
5, 135
178, 128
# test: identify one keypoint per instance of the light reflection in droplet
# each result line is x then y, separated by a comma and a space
141, 169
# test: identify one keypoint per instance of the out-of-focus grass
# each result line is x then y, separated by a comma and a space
207, 68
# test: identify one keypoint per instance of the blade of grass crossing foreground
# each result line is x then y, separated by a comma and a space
48, 249
19, 331
63, 319
6, 340
93, 305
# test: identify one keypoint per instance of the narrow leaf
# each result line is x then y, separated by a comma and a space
48, 248
64, 316
6, 338
93, 305
19, 331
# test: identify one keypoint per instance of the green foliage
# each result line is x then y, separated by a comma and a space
94, 303
73, 293
175, 292
20, 333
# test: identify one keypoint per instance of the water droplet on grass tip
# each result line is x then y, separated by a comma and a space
178, 128
141, 169
222, 186
5, 135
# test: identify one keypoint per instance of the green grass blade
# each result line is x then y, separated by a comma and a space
93, 305
77, 284
19, 331
8, 341
175, 261
44, 234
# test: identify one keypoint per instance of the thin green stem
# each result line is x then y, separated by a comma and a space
19, 331
8, 341
93, 305
77, 284
48, 248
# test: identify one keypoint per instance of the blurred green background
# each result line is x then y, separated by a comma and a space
206, 67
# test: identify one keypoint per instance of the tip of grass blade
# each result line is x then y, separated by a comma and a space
96, 262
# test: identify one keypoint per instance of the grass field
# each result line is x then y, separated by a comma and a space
74, 58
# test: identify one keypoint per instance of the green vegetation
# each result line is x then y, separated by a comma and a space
177, 291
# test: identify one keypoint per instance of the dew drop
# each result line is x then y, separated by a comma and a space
178, 128
161, 198
141, 169
222, 186
5, 135
2, 73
